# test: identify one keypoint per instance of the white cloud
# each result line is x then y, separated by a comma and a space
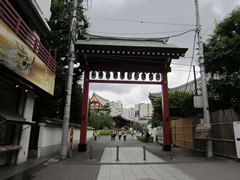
170, 11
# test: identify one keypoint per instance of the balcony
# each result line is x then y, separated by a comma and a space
10, 16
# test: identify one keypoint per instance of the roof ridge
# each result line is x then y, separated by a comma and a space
98, 96
91, 36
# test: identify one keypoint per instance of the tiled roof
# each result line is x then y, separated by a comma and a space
102, 100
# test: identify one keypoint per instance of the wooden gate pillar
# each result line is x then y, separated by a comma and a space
165, 114
82, 147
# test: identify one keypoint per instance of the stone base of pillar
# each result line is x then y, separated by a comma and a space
82, 147
166, 147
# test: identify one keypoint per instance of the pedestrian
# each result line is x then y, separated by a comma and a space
114, 135
125, 135
119, 135
95, 135
111, 135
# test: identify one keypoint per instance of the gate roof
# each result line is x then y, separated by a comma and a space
100, 53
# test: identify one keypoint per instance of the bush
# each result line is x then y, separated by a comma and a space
105, 132
141, 138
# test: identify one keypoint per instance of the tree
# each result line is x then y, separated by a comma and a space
180, 106
222, 58
138, 127
57, 42
99, 120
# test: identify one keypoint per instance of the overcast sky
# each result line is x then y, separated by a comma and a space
153, 18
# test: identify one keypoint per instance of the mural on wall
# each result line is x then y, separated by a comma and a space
16, 56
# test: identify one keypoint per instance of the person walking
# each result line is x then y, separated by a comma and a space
119, 135
114, 135
125, 135
111, 135
95, 135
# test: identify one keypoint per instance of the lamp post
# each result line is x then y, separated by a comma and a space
203, 78
66, 117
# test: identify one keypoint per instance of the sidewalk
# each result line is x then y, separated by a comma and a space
131, 165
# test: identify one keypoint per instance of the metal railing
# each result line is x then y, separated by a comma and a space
16, 23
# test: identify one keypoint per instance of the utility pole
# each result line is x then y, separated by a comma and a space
203, 79
66, 117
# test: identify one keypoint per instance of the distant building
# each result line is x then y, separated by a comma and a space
117, 112
144, 110
116, 105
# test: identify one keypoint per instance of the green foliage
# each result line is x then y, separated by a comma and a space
104, 132
128, 132
222, 59
138, 127
141, 138
156, 119
57, 42
180, 105
105, 110
99, 120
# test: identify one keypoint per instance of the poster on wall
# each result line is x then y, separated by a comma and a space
17, 56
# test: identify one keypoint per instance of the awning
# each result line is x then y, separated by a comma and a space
13, 118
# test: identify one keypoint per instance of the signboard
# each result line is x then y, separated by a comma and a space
203, 131
17, 56
198, 102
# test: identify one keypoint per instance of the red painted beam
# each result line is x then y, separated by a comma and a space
83, 136
126, 82
165, 114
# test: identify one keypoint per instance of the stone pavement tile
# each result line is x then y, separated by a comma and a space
129, 178
71, 172
158, 168
211, 171
128, 155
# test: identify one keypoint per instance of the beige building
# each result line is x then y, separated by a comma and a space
145, 110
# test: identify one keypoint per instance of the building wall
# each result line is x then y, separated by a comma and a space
44, 8
145, 109
50, 137
131, 112
26, 129
116, 105
24, 103
125, 112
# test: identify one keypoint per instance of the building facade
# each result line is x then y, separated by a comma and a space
26, 68
145, 110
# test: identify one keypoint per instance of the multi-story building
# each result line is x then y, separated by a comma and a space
26, 68
131, 112
116, 105
144, 110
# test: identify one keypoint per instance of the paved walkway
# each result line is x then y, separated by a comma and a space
103, 164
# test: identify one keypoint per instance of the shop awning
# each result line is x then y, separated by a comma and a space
13, 118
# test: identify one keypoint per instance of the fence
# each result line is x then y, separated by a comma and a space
222, 134
14, 21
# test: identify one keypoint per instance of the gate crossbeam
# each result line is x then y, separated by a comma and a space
126, 82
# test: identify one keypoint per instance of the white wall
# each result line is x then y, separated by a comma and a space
24, 141
44, 7
50, 137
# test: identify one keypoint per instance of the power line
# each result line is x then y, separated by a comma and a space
218, 17
143, 22
191, 59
